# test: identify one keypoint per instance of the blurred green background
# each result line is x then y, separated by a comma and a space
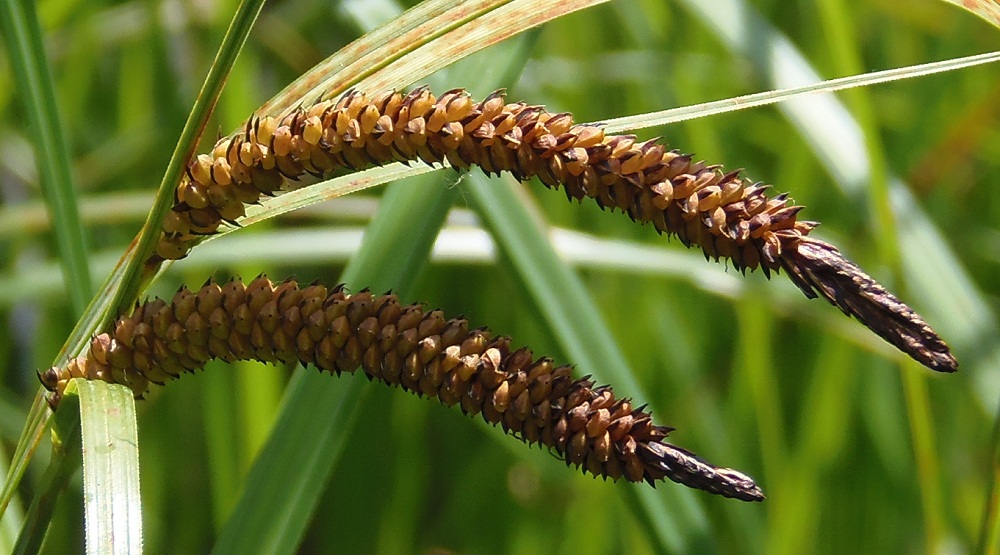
856, 450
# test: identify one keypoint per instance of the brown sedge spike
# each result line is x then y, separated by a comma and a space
411, 347
725, 215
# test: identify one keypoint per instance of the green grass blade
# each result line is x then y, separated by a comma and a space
847, 57
117, 207
323, 191
487, 30
23, 39
112, 505
755, 100
13, 517
567, 308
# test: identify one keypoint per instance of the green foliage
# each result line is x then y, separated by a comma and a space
855, 449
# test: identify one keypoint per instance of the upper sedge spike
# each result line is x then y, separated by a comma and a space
728, 217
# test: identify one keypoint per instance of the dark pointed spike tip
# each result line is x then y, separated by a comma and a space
685, 468
818, 267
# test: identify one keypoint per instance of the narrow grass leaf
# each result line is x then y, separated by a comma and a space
487, 30
674, 115
112, 505
989, 525
30, 218
327, 190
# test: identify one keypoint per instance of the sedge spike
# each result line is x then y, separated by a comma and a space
406, 346
725, 215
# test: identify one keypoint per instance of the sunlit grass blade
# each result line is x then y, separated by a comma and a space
12, 519
327, 190
31, 218
23, 39
473, 246
674, 115
566, 306
112, 505
492, 28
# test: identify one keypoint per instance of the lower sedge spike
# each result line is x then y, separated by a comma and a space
723, 214
417, 349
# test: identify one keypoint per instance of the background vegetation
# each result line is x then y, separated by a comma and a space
856, 450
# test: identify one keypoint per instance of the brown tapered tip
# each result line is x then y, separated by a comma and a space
685, 468
818, 267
